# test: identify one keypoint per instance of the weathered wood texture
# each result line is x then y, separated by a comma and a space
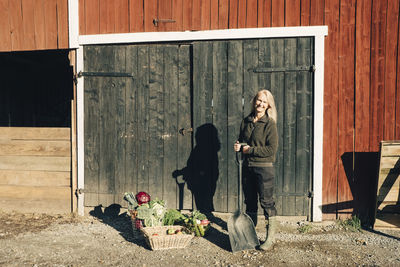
206, 86
388, 194
362, 80
33, 25
35, 169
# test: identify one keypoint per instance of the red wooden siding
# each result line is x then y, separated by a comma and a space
33, 25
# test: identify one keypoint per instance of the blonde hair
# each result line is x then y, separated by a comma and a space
271, 110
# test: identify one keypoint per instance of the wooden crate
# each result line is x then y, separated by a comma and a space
388, 196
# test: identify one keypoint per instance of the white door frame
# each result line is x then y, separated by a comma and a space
318, 32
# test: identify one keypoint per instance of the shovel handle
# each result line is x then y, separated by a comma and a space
239, 160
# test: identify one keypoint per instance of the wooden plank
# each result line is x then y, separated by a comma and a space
188, 12
252, 14
48, 206
50, 26
107, 15
74, 150
390, 150
305, 12
250, 79
156, 118
387, 221
28, 133
304, 126
35, 163
330, 143
223, 14
107, 126
317, 12
136, 19
177, 15
164, 13
346, 94
16, 25
121, 135
205, 16
278, 13
34, 192
389, 162
35, 148
377, 75
196, 15
277, 85
220, 142
214, 11
143, 118
267, 15
121, 10
199, 164
92, 19
5, 30
235, 115
362, 82
35, 178
169, 134
62, 24
233, 14
242, 13
292, 13
289, 130
131, 121
184, 121
150, 13
392, 24
92, 125
82, 17
28, 24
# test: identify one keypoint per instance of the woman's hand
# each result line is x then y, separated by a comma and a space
245, 148
237, 146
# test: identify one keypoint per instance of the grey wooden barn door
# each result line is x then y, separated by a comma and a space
155, 114
226, 75
137, 98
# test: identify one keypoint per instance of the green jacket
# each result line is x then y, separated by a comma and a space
262, 137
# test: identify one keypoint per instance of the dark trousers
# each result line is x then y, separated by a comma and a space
258, 184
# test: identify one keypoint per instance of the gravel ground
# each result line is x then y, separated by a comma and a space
66, 240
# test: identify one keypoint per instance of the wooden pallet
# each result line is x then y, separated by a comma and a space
388, 195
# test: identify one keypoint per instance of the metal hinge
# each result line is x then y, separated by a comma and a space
310, 194
284, 69
104, 74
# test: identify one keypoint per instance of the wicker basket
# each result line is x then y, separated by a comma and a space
157, 237
137, 234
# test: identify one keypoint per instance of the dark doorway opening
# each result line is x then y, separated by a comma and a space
36, 89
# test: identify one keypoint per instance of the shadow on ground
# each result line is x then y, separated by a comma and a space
121, 222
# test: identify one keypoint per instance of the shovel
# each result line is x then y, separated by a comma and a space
242, 234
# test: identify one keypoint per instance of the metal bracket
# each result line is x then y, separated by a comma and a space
284, 69
156, 21
104, 74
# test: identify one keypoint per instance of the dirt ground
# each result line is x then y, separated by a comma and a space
102, 239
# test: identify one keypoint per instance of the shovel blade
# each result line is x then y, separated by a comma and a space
242, 234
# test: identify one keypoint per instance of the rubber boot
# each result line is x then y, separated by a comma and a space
271, 228
253, 216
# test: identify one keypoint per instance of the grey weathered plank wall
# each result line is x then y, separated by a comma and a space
132, 124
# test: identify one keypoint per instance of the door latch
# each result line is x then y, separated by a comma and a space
184, 131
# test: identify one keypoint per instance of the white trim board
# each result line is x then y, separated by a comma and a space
318, 32
73, 23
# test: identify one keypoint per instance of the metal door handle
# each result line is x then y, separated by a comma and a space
184, 131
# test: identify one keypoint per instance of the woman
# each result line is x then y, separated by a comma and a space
259, 133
